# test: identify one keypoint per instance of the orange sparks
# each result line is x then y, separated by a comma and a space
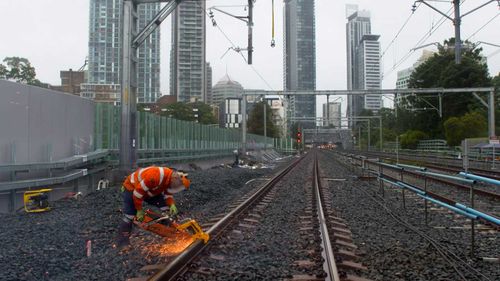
171, 245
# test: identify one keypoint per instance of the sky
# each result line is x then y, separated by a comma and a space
53, 35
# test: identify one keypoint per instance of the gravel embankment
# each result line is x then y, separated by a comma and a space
271, 248
392, 251
52, 245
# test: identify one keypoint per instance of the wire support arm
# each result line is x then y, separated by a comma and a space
475, 9
435, 9
155, 22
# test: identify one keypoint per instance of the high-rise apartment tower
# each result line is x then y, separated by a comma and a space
104, 60
300, 57
187, 59
363, 62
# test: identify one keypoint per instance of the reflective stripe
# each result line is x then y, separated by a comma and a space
164, 208
162, 173
137, 194
150, 194
144, 186
132, 178
129, 216
139, 174
168, 196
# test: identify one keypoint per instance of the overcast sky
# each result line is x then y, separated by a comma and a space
53, 35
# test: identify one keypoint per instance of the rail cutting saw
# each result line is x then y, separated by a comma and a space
166, 225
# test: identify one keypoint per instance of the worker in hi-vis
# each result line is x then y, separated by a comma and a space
154, 185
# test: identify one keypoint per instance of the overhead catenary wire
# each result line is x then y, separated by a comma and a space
426, 36
234, 47
484, 25
398, 33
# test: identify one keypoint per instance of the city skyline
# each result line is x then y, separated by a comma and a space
55, 52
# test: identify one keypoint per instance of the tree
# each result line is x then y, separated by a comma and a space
496, 82
20, 70
179, 111
197, 111
410, 139
470, 125
256, 121
205, 113
440, 71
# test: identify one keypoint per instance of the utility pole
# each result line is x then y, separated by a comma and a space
457, 21
131, 40
265, 121
247, 19
458, 42
250, 30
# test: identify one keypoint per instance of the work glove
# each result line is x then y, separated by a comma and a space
173, 209
140, 215
122, 188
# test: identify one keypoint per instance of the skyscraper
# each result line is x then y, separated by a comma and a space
104, 60
300, 57
335, 114
368, 70
208, 79
187, 59
363, 62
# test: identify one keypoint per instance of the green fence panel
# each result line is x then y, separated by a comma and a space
156, 132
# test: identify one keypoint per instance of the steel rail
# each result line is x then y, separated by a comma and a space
434, 165
434, 179
329, 265
178, 265
448, 182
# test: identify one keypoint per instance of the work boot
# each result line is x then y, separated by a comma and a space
123, 238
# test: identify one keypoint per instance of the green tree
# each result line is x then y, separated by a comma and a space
440, 71
496, 82
20, 70
205, 113
256, 121
179, 111
471, 125
410, 139
197, 111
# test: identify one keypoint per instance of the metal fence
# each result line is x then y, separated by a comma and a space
160, 133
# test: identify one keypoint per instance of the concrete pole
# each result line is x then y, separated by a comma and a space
359, 138
265, 122
458, 41
244, 123
381, 132
369, 133
250, 28
128, 132
491, 115
327, 110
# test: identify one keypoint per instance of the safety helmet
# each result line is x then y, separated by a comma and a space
179, 183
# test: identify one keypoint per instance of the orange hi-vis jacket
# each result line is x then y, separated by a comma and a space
149, 182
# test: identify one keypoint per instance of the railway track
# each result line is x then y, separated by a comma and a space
487, 203
315, 244
482, 190
435, 163
457, 262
